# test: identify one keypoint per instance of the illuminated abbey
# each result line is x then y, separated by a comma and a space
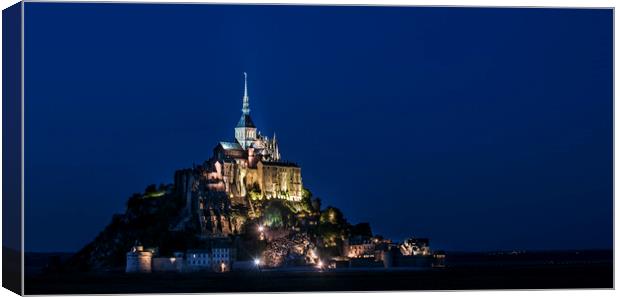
240, 172
253, 160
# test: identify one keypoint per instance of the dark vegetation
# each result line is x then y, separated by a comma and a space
147, 218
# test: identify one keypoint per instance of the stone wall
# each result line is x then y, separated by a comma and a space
280, 181
139, 260
167, 264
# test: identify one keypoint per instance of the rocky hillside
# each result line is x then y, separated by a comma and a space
294, 248
153, 217
147, 218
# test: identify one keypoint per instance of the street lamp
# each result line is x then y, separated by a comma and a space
261, 230
320, 265
257, 263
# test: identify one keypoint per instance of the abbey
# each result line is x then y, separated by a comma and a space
253, 159
246, 169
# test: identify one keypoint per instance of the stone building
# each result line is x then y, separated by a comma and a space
222, 257
415, 246
219, 257
248, 168
169, 264
139, 260
199, 260
280, 180
252, 159
359, 247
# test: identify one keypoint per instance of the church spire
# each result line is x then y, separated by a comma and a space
246, 99
245, 132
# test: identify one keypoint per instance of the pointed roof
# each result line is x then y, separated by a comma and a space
245, 120
230, 145
246, 99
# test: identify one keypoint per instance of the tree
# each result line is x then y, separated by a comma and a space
277, 214
306, 201
134, 202
361, 229
150, 189
254, 192
333, 216
332, 228
316, 204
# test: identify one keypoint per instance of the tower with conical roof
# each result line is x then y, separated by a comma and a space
245, 132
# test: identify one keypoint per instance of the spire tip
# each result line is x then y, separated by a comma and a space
246, 99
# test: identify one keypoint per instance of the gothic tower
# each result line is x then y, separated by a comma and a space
245, 132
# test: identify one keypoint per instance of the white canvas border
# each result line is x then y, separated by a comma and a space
494, 3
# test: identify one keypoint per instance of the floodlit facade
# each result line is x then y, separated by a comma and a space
253, 159
246, 168
139, 260
415, 246
359, 247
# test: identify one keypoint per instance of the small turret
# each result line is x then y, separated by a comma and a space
139, 260
276, 150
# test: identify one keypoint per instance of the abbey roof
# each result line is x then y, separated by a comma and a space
246, 121
230, 145
281, 164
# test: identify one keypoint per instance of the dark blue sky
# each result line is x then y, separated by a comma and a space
480, 128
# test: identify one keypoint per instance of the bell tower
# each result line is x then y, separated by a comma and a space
245, 132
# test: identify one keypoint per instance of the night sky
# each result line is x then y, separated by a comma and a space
482, 129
